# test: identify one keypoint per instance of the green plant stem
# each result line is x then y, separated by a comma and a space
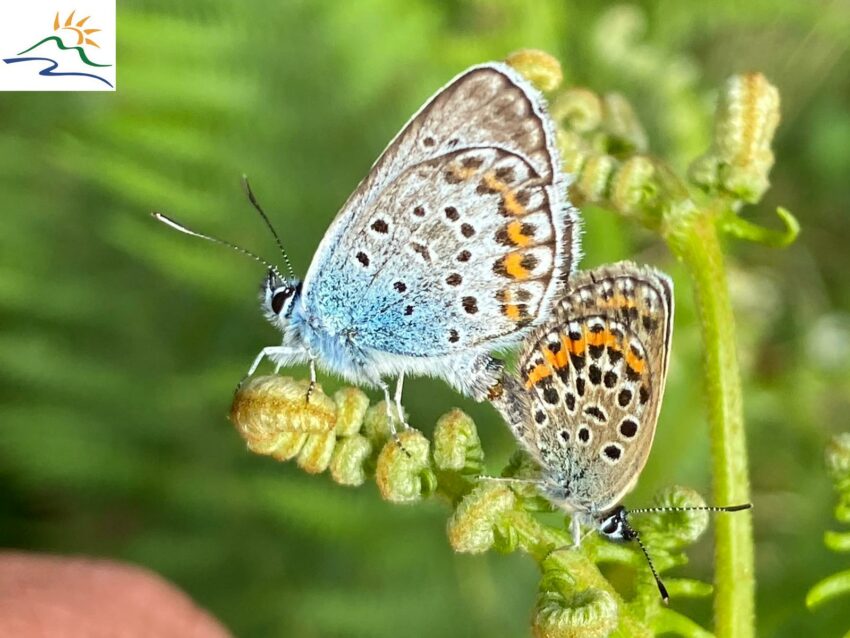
547, 545
693, 237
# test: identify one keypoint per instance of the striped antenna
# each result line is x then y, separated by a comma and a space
704, 508
252, 198
661, 588
188, 231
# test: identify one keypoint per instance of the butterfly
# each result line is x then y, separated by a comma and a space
456, 244
586, 399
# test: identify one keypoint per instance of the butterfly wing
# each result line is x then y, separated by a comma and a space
593, 377
461, 234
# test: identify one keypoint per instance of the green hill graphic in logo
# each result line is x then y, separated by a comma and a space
84, 39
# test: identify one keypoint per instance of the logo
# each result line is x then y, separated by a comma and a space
61, 50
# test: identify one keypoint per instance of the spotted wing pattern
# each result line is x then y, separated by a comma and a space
461, 235
591, 381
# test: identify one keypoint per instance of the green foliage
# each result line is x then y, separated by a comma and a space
838, 464
574, 598
121, 343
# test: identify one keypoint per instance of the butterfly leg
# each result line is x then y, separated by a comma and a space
281, 355
575, 529
388, 401
398, 407
312, 386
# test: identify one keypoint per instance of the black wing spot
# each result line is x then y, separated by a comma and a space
550, 395
523, 197
484, 188
452, 177
529, 261
540, 416
422, 251
464, 255
624, 398
408, 310
419, 211
571, 401
595, 351
363, 258
380, 226
400, 286
563, 374
451, 213
580, 386
594, 374
454, 337
429, 141
644, 394
454, 279
628, 428
584, 434
613, 452
596, 413
505, 174
467, 230
470, 305
610, 379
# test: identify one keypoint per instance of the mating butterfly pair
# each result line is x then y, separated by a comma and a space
461, 241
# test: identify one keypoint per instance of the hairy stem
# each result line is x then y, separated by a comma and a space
693, 236
553, 548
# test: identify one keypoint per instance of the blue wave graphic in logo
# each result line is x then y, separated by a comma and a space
51, 70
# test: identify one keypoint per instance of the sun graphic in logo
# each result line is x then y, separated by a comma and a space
82, 34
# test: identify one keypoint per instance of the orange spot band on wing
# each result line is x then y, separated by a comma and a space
539, 373
462, 173
597, 338
509, 198
635, 362
575, 347
557, 361
620, 301
516, 235
602, 338
514, 267
512, 312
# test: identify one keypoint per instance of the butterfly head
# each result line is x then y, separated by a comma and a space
278, 297
615, 526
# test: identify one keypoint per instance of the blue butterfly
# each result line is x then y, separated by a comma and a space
457, 242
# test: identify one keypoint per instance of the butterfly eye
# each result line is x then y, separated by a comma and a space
279, 298
610, 526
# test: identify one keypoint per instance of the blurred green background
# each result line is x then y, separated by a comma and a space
121, 342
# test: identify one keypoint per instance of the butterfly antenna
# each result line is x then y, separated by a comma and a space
704, 508
186, 231
661, 588
511, 480
253, 199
